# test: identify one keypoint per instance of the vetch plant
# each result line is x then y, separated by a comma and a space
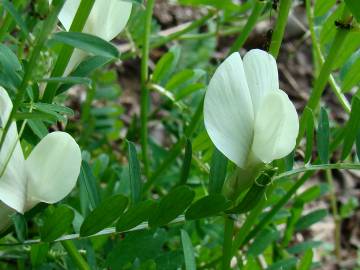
248, 118
48, 174
106, 20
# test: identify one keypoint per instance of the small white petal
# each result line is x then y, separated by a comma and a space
53, 168
228, 112
276, 127
261, 74
12, 163
5, 213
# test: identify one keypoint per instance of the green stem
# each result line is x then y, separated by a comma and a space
335, 212
48, 26
336, 89
75, 255
227, 245
144, 99
249, 26
279, 30
66, 51
192, 26
325, 71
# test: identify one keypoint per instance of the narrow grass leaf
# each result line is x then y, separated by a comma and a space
189, 252
88, 184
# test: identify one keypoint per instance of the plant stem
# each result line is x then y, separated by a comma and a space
336, 89
227, 245
75, 255
249, 26
325, 71
335, 212
39, 43
144, 102
279, 30
66, 51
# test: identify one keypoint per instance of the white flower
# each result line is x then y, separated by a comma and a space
48, 174
106, 20
248, 118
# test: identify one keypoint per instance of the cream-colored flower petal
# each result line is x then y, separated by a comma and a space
261, 74
12, 163
228, 112
106, 20
5, 213
276, 127
53, 168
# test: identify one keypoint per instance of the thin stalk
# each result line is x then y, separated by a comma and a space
75, 255
336, 216
336, 89
48, 25
66, 51
279, 30
227, 245
249, 26
192, 26
145, 97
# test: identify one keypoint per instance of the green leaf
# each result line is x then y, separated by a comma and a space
208, 206
352, 76
67, 80
135, 215
171, 206
135, 175
87, 184
358, 144
306, 260
217, 172
162, 70
38, 254
86, 42
323, 6
185, 170
104, 215
323, 137
263, 240
284, 264
313, 193
189, 252
304, 246
352, 127
354, 7
349, 208
179, 78
310, 219
10, 68
56, 223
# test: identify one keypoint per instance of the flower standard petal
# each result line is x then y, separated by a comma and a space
12, 163
228, 112
261, 74
53, 168
276, 127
